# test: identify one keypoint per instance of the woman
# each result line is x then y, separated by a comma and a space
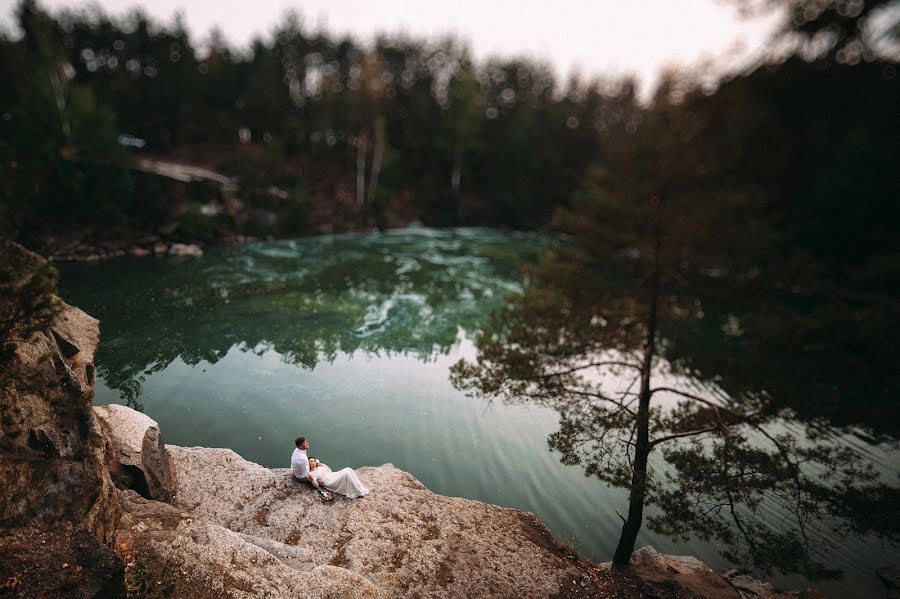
343, 481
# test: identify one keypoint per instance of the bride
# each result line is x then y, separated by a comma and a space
343, 481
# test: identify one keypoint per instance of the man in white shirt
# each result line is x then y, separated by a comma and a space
299, 461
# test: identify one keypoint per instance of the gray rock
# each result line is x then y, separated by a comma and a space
274, 535
197, 558
747, 586
298, 558
687, 574
185, 249
136, 455
673, 576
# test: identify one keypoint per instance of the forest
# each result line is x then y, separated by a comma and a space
325, 134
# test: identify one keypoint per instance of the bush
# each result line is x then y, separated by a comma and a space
196, 226
296, 214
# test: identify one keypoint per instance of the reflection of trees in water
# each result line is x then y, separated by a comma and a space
743, 373
819, 364
307, 300
830, 361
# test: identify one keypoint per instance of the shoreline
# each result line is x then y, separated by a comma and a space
122, 510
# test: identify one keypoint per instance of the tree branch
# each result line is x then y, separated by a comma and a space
687, 395
600, 396
590, 365
691, 433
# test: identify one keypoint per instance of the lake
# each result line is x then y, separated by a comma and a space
349, 340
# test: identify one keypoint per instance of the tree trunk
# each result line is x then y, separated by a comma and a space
361, 146
376, 159
456, 174
642, 447
61, 106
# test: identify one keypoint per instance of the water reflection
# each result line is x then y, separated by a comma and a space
405, 293
828, 360
248, 345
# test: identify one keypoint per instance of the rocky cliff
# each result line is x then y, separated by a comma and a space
238, 529
58, 506
95, 505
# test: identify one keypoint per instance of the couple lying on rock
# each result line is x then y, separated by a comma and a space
310, 469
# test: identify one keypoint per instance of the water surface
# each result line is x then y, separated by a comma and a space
348, 340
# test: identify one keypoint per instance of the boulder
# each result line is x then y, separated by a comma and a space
136, 456
672, 577
751, 588
186, 249
675, 576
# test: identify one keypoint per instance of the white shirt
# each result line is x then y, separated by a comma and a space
299, 463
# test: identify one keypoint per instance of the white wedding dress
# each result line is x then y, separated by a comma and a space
343, 481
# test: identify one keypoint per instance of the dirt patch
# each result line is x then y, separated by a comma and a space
445, 574
293, 538
234, 583
411, 483
262, 515
63, 562
340, 556
618, 585
433, 531
538, 534
149, 577
397, 558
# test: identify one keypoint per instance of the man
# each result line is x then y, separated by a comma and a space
299, 461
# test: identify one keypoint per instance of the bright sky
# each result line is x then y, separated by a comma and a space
591, 36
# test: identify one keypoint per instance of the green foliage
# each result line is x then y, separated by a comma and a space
196, 226
296, 217
59, 159
501, 143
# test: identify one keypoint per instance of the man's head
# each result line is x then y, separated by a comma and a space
301, 443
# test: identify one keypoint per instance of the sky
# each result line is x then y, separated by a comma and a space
592, 37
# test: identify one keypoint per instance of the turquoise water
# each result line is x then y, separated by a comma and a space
348, 340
